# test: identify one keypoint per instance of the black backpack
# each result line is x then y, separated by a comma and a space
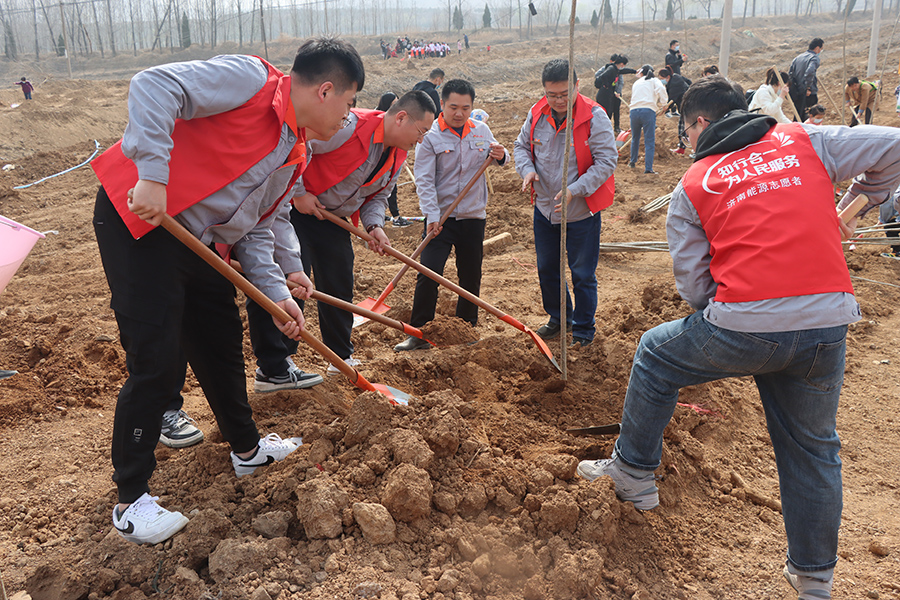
597, 81
748, 96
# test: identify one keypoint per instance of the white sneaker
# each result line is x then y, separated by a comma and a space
178, 430
352, 362
810, 586
270, 449
146, 522
641, 491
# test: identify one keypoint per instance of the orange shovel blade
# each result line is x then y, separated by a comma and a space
369, 304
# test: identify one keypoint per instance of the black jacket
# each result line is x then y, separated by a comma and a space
677, 86
674, 61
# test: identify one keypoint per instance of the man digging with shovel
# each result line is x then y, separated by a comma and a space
353, 172
220, 144
450, 155
756, 248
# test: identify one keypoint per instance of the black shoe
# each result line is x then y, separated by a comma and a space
550, 331
294, 379
650, 173
411, 343
580, 340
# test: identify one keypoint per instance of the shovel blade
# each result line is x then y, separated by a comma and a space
6, 374
544, 348
393, 394
369, 304
611, 429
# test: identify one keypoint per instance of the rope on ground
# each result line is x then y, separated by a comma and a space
28, 185
873, 281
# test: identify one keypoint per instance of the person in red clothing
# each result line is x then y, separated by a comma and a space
27, 88
756, 246
218, 145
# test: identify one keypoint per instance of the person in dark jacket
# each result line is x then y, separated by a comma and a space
804, 84
674, 59
608, 81
430, 86
676, 86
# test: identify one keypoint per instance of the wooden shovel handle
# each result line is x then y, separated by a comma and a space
854, 207
252, 292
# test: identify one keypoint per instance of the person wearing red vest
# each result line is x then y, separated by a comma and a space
352, 172
217, 144
756, 247
539, 151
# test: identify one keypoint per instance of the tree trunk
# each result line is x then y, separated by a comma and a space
37, 51
97, 25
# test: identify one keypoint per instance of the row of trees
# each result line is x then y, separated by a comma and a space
90, 27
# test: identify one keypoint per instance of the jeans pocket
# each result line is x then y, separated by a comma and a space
827, 370
738, 352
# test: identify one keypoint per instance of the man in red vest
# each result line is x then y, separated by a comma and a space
756, 246
219, 145
539, 151
353, 172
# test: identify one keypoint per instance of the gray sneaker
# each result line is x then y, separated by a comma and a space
641, 491
810, 586
178, 430
294, 379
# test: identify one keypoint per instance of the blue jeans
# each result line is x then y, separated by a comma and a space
583, 252
799, 376
643, 118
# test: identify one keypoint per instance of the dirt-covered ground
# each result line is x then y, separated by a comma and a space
469, 492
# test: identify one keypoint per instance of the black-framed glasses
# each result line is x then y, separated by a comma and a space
563, 96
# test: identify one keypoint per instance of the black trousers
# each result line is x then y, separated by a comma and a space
392, 203
467, 236
328, 259
802, 102
606, 99
172, 309
854, 121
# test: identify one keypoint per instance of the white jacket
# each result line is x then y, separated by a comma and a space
769, 102
648, 93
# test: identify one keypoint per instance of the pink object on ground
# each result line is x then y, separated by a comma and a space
16, 241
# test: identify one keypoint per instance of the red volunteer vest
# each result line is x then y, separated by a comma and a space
581, 133
768, 212
210, 152
328, 169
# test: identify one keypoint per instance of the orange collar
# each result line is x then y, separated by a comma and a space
297, 154
378, 135
444, 126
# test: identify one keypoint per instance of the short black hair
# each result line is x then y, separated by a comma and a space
622, 59
816, 43
665, 73
710, 70
436, 73
387, 99
712, 97
614, 58
555, 71
672, 43
458, 86
329, 59
416, 103
852, 80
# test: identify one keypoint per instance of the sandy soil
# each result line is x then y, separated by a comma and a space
477, 474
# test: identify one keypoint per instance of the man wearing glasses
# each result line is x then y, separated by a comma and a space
539, 152
352, 173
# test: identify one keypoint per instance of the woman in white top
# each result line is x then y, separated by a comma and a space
769, 98
647, 95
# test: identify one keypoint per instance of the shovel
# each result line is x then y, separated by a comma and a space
215, 261
378, 304
541, 344
611, 429
353, 308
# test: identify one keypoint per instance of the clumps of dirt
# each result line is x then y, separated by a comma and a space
449, 331
410, 499
638, 216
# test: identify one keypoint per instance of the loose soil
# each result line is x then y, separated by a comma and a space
469, 492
